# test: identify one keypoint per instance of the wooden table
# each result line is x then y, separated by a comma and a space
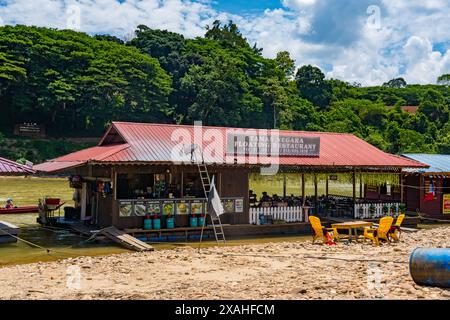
350, 226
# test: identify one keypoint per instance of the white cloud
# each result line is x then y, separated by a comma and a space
331, 35
111, 16
298, 4
424, 64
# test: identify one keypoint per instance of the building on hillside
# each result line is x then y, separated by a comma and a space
409, 109
142, 168
427, 190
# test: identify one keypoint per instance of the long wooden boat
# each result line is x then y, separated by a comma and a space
8, 232
25, 209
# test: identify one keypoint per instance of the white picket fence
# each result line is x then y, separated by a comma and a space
288, 214
362, 210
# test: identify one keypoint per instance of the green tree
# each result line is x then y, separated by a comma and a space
443, 145
444, 80
312, 86
285, 63
395, 83
75, 81
434, 106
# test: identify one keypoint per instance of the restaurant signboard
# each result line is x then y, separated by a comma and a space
446, 204
274, 145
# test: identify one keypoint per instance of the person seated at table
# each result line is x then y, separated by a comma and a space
9, 204
291, 200
265, 197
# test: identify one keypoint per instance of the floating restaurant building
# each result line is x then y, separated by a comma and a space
428, 189
142, 168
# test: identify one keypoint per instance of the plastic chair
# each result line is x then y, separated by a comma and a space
395, 231
382, 232
319, 230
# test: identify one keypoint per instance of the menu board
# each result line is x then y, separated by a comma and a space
183, 207
139, 209
446, 204
153, 208
228, 206
197, 207
168, 208
125, 209
239, 205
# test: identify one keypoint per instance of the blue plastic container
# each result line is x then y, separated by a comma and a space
262, 219
201, 222
193, 222
157, 224
147, 224
170, 223
430, 267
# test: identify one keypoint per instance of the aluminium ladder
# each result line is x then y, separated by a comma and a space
206, 184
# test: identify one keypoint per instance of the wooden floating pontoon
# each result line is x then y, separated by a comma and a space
8, 232
123, 239
161, 232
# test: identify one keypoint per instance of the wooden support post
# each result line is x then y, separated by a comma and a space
326, 187
401, 188
182, 184
83, 200
354, 192
360, 185
316, 209
303, 189
284, 185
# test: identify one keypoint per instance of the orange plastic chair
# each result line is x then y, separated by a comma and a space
382, 232
395, 234
318, 230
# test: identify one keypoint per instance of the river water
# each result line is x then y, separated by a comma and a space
62, 243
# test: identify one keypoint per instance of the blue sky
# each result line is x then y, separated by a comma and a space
246, 7
365, 41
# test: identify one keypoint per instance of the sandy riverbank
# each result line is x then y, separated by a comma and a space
263, 271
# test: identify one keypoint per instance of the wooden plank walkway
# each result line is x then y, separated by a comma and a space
124, 239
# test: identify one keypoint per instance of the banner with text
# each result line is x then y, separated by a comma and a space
274, 145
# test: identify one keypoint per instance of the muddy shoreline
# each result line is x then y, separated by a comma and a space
282, 270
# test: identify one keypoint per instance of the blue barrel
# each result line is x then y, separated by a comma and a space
430, 267
201, 222
262, 219
193, 222
170, 223
156, 224
147, 224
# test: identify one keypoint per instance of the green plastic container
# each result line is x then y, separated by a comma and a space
170, 223
157, 224
201, 222
148, 224
193, 222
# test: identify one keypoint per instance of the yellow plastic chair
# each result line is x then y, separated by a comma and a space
318, 230
382, 232
395, 234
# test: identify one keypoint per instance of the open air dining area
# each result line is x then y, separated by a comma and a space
347, 195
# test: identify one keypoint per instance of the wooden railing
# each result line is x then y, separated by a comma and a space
287, 214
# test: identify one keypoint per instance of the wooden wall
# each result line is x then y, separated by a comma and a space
434, 207
231, 182
412, 193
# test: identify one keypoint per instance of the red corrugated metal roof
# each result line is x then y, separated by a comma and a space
8, 167
144, 142
75, 159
